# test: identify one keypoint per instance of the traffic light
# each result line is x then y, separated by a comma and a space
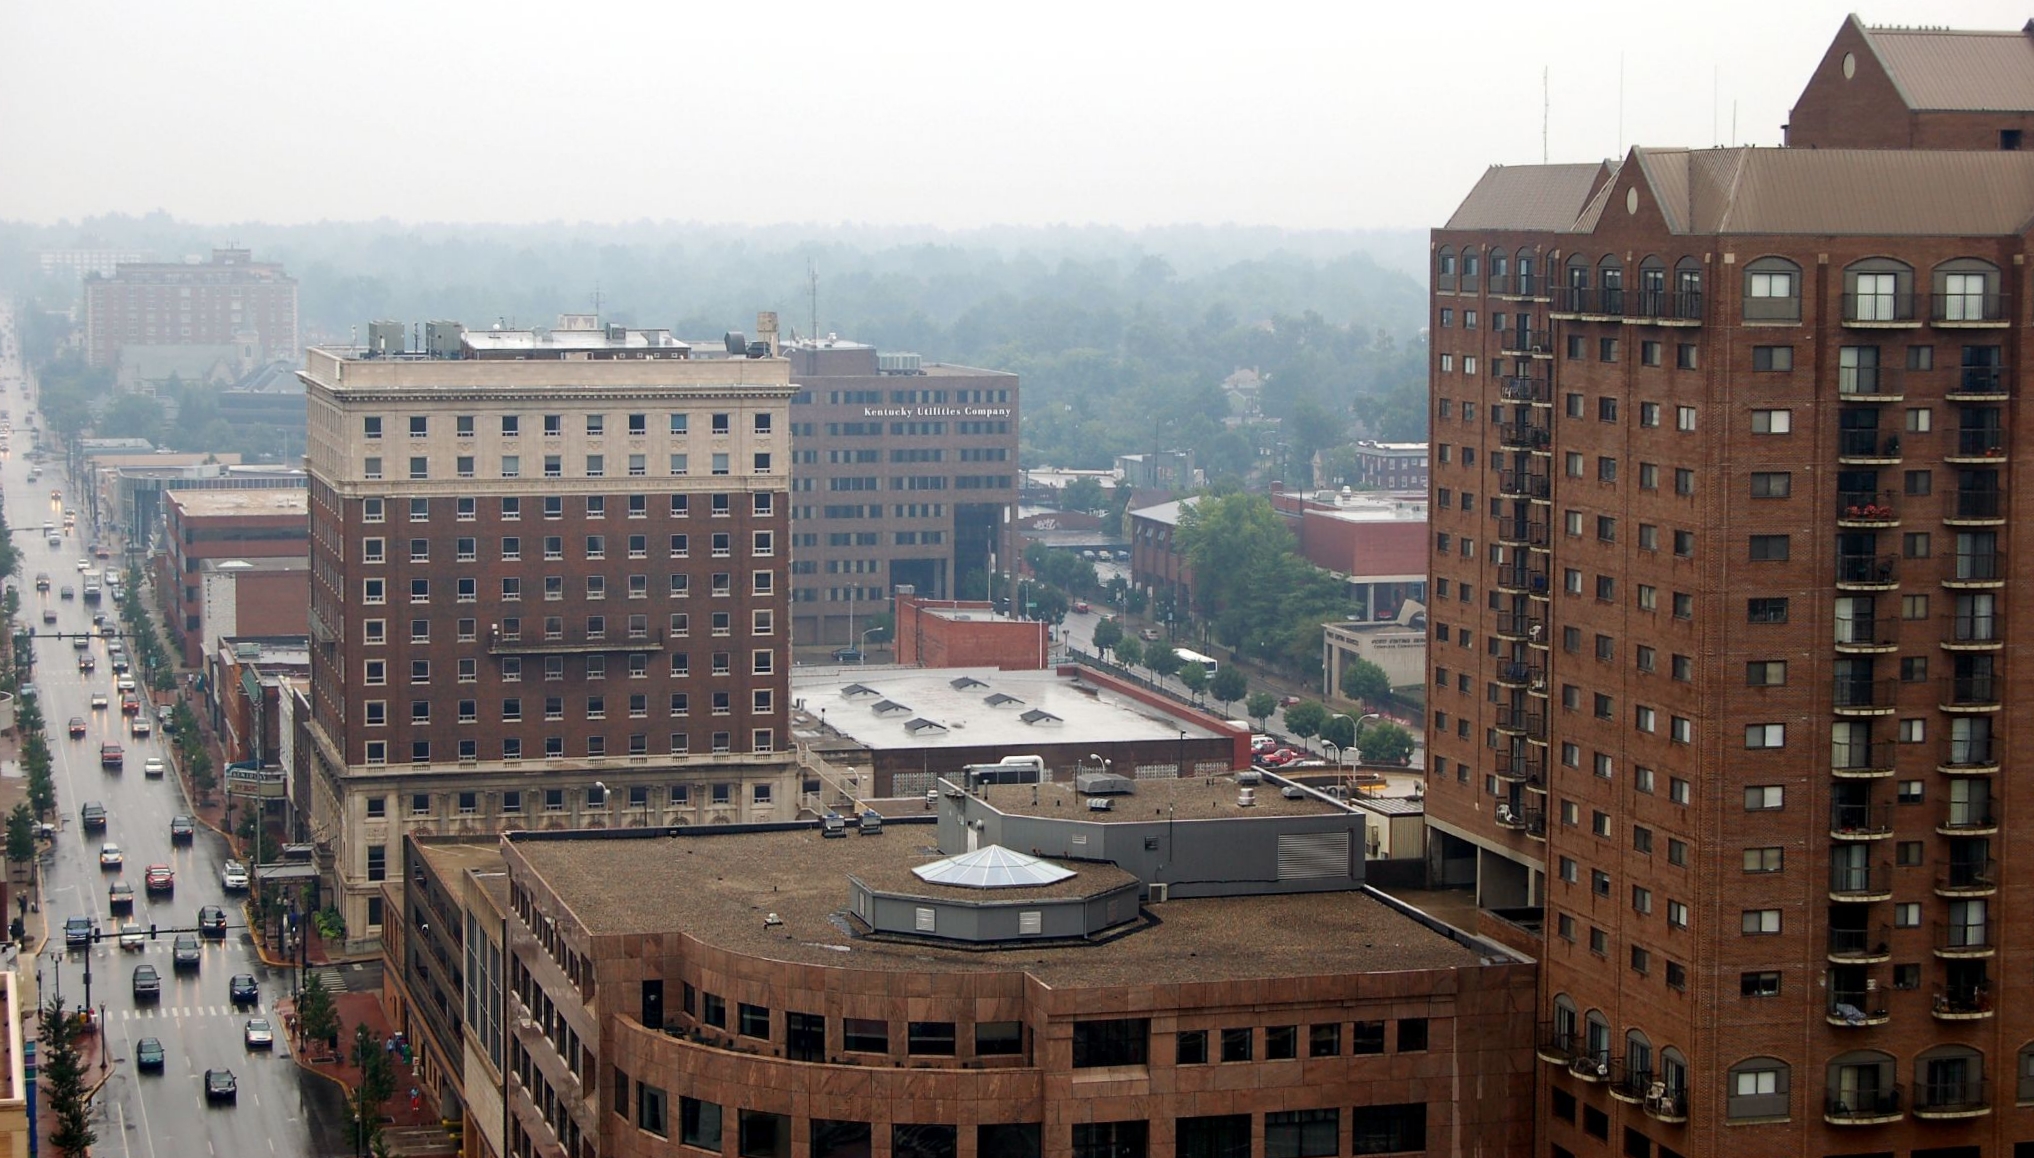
96, 934
151, 931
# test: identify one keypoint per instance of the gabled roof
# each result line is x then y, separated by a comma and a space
1533, 197
1841, 191
1939, 70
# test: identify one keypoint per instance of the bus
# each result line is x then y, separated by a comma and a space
1207, 663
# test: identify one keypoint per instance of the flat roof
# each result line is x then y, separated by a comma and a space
717, 885
449, 860
271, 563
879, 706
241, 501
1182, 798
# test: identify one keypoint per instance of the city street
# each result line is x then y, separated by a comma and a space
281, 1109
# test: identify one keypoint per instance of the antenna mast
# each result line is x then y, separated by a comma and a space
597, 298
812, 296
1546, 111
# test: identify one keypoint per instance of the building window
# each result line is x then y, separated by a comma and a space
1238, 1045
1388, 1129
1302, 1133
1757, 1088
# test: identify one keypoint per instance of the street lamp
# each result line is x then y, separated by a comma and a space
1337, 747
863, 650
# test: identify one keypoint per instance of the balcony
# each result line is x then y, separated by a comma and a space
1970, 758
1962, 1003
1877, 311
1867, 761
1667, 307
1979, 878
1869, 384
1860, 883
1867, 446
1971, 693
1976, 569
1521, 625
1939, 1101
1969, 818
1522, 532
1528, 722
1557, 1046
1855, 697
574, 642
1981, 444
1590, 1067
1531, 821
1860, 946
1866, 509
1524, 341
1974, 633
1525, 434
1862, 1107
1521, 575
1976, 507
1857, 1008
1665, 1104
1574, 301
1627, 1084
1977, 311
1867, 572
1978, 384
1867, 635
1517, 673
1860, 821
1523, 483
1528, 767
1525, 390
1958, 941
1519, 285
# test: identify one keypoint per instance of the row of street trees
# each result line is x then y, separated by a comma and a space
62, 1080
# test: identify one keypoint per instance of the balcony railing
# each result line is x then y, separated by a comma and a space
575, 641
1675, 305
1979, 505
1860, 821
1854, 882
1848, 946
1528, 720
1879, 309
1522, 532
1520, 673
1974, 629
1525, 390
1967, 309
1980, 692
1868, 383
1531, 821
1870, 632
1963, 940
1559, 1046
1863, 760
1976, 567
1958, 1001
1523, 340
1952, 1099
1521, 625
1867, 444
1629, 1083
1522, 768
1518, 575
1979, 382
1575, 299
1530, 484
1526, 434
1858, 1107
1981, 442
1971, 755
1666, 1103
1853, 695
1867, 570
1969, 877
1969, 816
1866, 507
1853, 1008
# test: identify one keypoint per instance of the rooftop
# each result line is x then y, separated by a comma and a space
729, 880
1185, 798
265, 501
450, 859
904, 707
1947, 70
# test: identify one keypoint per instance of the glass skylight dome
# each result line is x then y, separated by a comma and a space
994, 867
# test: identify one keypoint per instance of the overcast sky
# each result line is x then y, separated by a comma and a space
1335, 113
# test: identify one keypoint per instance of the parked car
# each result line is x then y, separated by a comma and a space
1147, 634
221, 1086
847, 655
1081, 605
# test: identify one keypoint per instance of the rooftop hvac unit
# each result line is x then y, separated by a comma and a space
385, 339
1246, 798
1250, 776
442, 339
1292, 792
1100, 804
1160, 892
737, 343
899, 363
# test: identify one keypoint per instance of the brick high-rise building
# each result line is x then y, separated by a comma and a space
906, 474
547, 588
221, 302
1720, 636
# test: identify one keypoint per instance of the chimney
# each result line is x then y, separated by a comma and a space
766, 329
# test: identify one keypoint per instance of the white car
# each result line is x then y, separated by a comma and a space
152, 767
259, 1034
110, 856
84, 564
233, 875
131, 936
124, 683
141, 727
98, 699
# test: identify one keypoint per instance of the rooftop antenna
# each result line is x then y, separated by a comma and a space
1733, 123
1546, 110
1620, 104
812, 296
1715, 102
597, 298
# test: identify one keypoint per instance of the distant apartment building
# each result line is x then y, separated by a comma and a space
1391, 466
905, 474
1171, 471
548, 587
85, 261
229, 301
205, 528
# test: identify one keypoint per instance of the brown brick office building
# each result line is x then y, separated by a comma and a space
185, 304
207, 526
547, 588
905, 475
1720, 640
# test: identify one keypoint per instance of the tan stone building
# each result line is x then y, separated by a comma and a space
547, 588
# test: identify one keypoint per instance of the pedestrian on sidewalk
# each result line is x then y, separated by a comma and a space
416, 1099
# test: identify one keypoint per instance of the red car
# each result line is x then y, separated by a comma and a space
159, 879
129, 705
77, 727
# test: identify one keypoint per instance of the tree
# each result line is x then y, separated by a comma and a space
1195, 677
1228, 686
1259, 706
1161, 658
317, 1017
1339, 730
1366, 681
1385, 743
63, 1075
1129, 652
21, 834
377, 1084
1108, 633
1305, 718
1083, 494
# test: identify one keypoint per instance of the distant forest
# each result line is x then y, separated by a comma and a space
1123, 339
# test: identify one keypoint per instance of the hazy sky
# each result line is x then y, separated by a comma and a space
1324, 114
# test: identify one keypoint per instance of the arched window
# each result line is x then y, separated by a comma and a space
1652, 288
1472, 268
1860, 1085
1966, 290
1878, 289
1528, 286
1667, 1096
1772, 290
1596, 1041
1687, 288
1610, 281
1949, 1079
1638, 1062
1758, 1087
1573, 296
1567, 1024
1444, 268
2024, 1071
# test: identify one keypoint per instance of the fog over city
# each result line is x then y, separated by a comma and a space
1285, 114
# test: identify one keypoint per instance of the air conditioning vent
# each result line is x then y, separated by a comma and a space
1160, 892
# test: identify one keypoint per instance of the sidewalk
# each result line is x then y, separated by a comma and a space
399, 1112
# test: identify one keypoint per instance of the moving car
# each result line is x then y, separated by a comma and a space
152, 768
77, 727
142, 727
111, 756
129, 705
847, 655
77, 932
182, 829
233, 876
93, 816
220, 1086
42, 580
67, 592
120, 897
49, 616
184, 952
110, 856
147, 983
99, 700
243, 989
160, 878
1147, 634
131, 936
87, 664
212, 922
148, 1055
1081, 605
259, 1034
